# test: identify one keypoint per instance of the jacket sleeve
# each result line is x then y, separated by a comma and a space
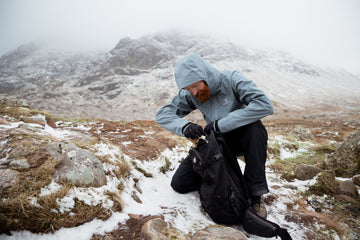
256, 104
171, 116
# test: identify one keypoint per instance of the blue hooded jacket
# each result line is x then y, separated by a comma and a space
234, 101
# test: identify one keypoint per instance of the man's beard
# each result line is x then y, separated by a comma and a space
203, 96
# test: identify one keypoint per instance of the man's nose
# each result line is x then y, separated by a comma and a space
193, 91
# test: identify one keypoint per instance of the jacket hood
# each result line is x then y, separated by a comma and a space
193, 68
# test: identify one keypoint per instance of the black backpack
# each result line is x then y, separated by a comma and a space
223, 192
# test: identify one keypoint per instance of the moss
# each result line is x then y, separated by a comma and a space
166, 167
325, 148
274, 150
288, 175
325, 184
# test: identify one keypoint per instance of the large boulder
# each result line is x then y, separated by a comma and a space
76, 165
346, 159
305, 172
325, 184
218, 233
348, 188
158, 229
154, 229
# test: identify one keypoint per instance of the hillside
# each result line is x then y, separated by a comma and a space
135, 78
131, 197
81, 156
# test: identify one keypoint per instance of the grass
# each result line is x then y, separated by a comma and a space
332, 214
166, 166
146, 174
75, 121
314, 154
18, 212
18, 112
122, 169
333, 223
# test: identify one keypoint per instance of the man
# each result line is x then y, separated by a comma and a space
231, 105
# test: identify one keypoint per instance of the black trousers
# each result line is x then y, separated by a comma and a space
251, 142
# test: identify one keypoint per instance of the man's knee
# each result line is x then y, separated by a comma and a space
177, 186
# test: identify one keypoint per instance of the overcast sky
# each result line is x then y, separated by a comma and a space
320, 31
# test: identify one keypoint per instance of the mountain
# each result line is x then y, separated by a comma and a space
135, 78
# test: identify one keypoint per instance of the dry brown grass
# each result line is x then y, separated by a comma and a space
18, 112
309, 218
18, 213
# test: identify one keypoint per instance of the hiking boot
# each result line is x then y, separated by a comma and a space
258, 205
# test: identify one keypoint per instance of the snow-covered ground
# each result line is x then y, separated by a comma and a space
183, 211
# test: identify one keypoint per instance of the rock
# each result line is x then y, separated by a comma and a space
325, 184
301, 133
34, 119
17, 152
19, 164
136, 197
305, 172
76, 165
344, 198
8, 178
346, 159
152, 229
4, 122
348, 188
356, 180
290, 186
4, 163
88, 140
219, 233
25, 129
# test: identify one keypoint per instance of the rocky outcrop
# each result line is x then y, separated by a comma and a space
346, 159
76, 165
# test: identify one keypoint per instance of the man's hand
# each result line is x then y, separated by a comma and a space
212, 126
209, 127
193, 131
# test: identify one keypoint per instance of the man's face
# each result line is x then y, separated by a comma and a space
200, 90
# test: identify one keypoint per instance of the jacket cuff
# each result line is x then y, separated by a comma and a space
216, 126
184, 127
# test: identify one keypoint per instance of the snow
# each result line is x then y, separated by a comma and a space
52, 187
183, 211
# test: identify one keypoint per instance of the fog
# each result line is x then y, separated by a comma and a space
324, 32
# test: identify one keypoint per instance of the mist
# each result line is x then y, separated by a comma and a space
323, 32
